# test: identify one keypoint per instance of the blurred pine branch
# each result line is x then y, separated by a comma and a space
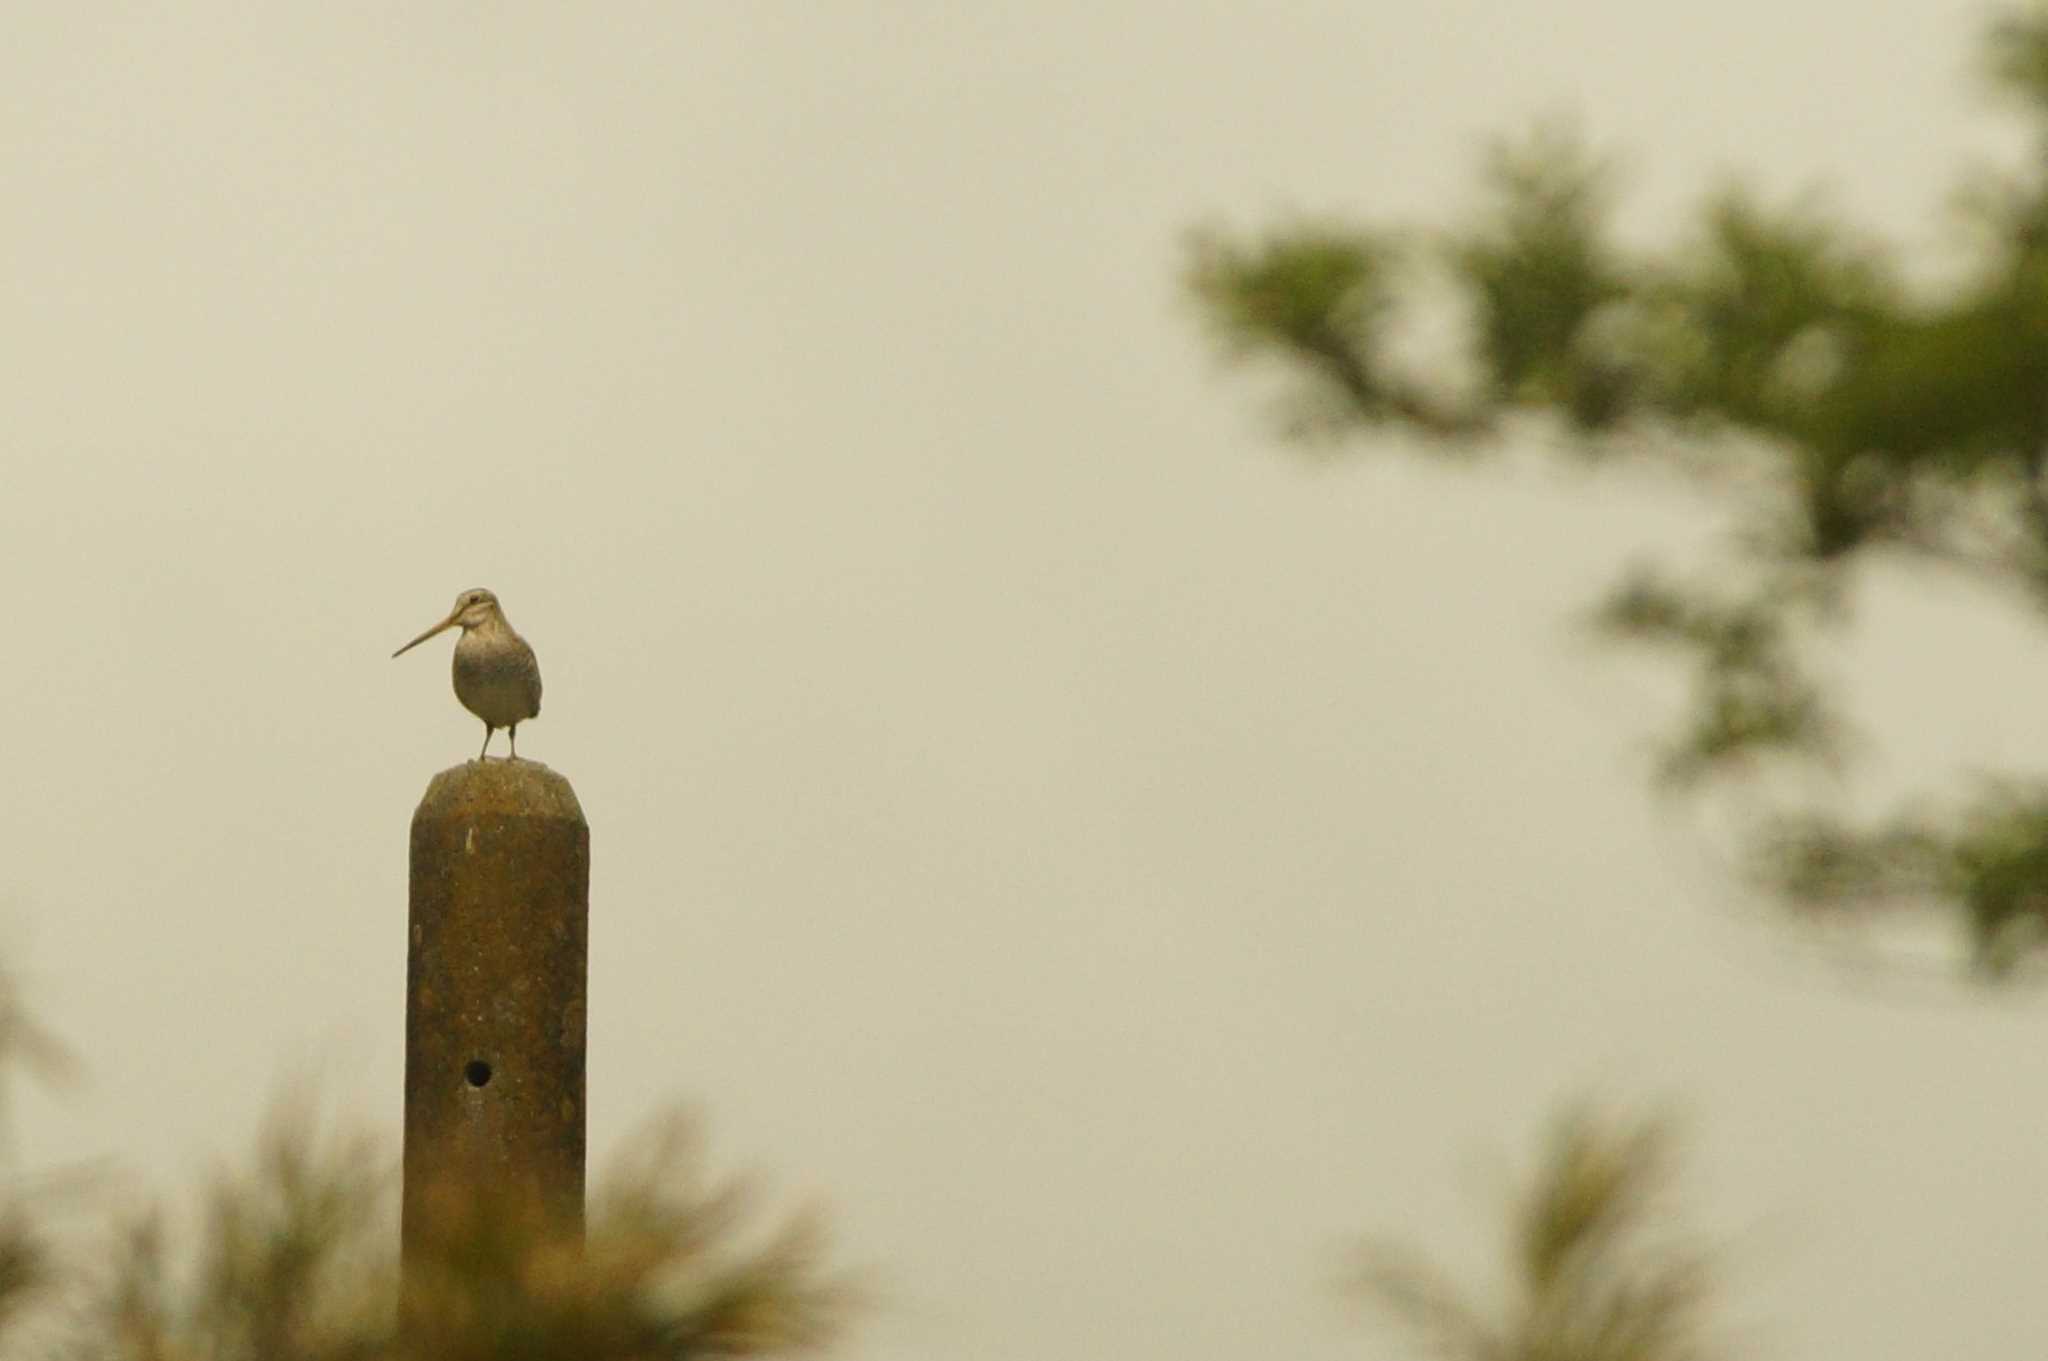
1773, 357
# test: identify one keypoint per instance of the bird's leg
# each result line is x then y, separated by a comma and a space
488, 730
512, 736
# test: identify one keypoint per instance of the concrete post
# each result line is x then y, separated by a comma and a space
494, 1012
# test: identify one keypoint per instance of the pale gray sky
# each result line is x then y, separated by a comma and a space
1031, 812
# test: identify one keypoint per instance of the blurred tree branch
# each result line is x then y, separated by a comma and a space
295, 1260
1594, 1273
1773, 358
294, 1257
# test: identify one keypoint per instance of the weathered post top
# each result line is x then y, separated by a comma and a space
494, 1014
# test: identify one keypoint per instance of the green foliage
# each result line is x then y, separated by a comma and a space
31, 1274
1990, 856
1774, 359
1540, 271
1594, 1272
2016, 56
657, 1277
1306, 291
28, 1268
295, 1257
1751, 701
295, 1260
1320, 296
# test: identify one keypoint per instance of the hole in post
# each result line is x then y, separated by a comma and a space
477, 1072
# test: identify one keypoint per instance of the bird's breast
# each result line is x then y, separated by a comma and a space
498, 680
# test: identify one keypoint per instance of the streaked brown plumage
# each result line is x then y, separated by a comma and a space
497, 677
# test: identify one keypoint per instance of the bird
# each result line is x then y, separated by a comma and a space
497, 677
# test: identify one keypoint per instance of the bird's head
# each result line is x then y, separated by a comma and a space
472, 609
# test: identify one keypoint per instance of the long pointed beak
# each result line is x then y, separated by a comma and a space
444, 625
